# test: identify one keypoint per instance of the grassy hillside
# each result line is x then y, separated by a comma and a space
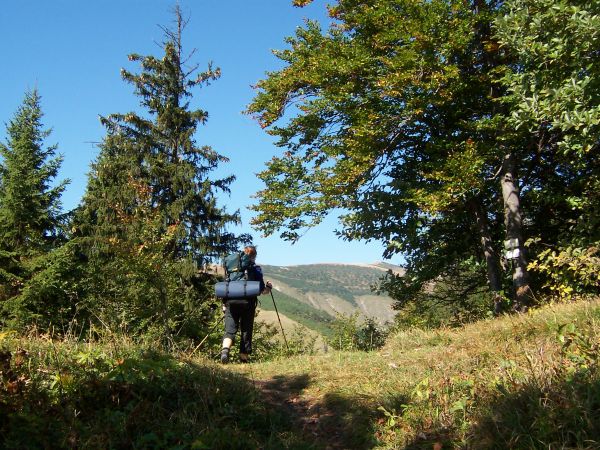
298, 311
312, 294
529, 381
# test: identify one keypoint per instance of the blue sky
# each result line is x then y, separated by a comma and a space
72, 51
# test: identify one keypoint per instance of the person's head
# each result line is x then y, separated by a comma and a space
250, 250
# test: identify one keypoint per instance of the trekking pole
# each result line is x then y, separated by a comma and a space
278, 318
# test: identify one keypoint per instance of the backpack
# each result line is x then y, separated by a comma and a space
237, 285
236, 266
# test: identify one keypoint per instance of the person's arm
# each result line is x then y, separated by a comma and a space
268, 287
265, 288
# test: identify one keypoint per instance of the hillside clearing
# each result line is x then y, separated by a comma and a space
528, 381
446, 386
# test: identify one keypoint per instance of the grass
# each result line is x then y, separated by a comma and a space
528, 381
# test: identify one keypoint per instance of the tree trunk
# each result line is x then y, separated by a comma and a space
514, 236
491, 258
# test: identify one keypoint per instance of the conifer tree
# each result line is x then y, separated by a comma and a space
159, 151
150, 213
29, 200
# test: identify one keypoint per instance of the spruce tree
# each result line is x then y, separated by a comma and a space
29, 199
150, 212
159, 151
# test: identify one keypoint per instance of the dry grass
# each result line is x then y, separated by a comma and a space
410, 392
527, 381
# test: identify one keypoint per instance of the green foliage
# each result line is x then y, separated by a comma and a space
155, 163
29, 205
475, 387
540, 393
456, 298
350, 335
570, 271
553, 92
52, 296
555, 86
362, 116
30, 223
301, 341
402, 113
268, 343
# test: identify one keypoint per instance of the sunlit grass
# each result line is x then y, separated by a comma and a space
522, 381
440, 385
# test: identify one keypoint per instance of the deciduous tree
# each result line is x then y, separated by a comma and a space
392, 115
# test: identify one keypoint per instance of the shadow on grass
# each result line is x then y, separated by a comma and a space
147, 400
562, 415
556, 416
288, 385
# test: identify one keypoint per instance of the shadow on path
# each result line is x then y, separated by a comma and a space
335, 421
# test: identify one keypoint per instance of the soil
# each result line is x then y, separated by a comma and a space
316, 422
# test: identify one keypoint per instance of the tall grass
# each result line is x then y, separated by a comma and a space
528, 381
114, 394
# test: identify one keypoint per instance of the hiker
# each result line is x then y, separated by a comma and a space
240, 313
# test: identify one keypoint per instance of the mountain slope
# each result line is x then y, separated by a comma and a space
319, 292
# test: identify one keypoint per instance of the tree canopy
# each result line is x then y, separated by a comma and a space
391, 114
405, 116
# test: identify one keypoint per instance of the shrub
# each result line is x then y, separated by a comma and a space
349, 335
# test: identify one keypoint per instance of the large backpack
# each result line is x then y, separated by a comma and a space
236, 266
237, 286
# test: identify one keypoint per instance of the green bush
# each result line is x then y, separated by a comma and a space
569, 270
349, 334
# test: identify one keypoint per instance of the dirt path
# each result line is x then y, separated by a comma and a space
308, 414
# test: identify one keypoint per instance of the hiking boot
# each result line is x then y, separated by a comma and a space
225, 356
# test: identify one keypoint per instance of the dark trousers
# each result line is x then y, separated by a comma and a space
240, 314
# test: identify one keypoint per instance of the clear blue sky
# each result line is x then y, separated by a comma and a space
72, 51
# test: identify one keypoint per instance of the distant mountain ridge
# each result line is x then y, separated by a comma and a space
314, 294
